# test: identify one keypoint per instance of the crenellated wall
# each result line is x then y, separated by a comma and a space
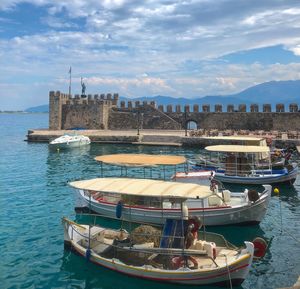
91, 112
101, 111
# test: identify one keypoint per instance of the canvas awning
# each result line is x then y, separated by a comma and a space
141, 159
238, 149
144, 187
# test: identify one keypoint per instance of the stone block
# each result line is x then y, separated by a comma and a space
137, 103
218, 108
230, 108
242, 108
129, 104
206, 108
254, 107
187, 108
122, 104
161, 108
293, 107
169, 108
195, 108
178, 108
280, 107
267, 108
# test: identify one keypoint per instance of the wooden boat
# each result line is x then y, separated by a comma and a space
218, 207
67, 141
174, 255
212, 163
241, 166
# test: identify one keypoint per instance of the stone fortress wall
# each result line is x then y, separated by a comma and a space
103, 111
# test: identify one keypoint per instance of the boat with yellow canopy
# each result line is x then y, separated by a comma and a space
174, 254
215, 205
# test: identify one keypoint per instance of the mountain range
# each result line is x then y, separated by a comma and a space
272, 92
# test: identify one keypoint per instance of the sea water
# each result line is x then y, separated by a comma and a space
35, 196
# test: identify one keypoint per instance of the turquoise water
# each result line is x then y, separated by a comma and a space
35, 195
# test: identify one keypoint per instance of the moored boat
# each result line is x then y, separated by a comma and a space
69, 141
243, 166
174, 254
218, 207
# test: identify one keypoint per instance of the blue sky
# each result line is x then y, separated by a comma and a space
182, 48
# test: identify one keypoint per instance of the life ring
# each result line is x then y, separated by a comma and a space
260, 247
180, 261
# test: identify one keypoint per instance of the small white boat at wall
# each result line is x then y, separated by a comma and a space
175, 254
69, 141
218, 207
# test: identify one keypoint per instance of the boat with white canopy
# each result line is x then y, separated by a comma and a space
242, 165
175, 254
209, 161
216, 206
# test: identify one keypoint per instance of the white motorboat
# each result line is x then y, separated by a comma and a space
175, 254
69, 141
218, 207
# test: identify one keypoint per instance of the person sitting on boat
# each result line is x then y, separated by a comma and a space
194, 224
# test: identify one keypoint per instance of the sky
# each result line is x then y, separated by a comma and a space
182, 48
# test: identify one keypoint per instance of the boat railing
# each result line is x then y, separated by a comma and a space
132, 201
126, 245
96, 220
244, 169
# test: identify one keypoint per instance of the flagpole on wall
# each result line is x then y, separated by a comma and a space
70, 72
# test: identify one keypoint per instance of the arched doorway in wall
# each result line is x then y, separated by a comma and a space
191, 125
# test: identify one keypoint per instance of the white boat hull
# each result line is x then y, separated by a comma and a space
236, 270
244, 213
67, 142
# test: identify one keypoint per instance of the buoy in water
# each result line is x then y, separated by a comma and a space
276, 191
260, 247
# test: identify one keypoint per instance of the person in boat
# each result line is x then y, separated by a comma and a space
194, 224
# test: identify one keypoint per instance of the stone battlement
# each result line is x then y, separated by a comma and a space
104, 111
280, 107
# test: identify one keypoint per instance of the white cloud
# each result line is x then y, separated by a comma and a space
144, 47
